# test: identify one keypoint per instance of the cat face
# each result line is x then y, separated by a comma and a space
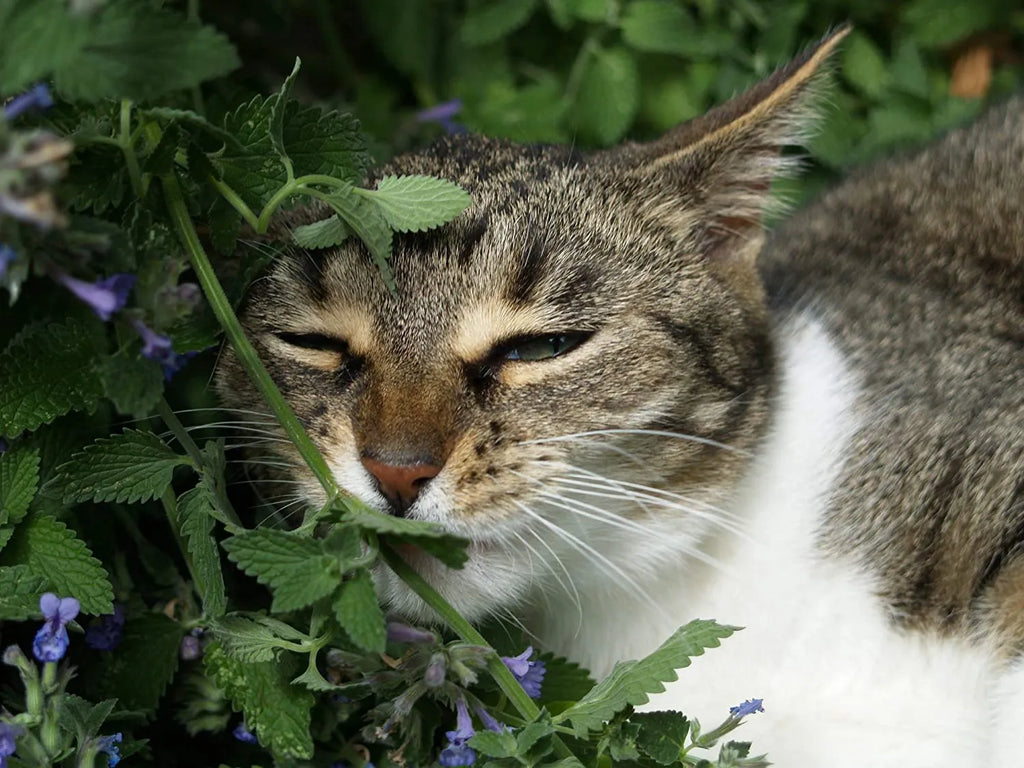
579, 358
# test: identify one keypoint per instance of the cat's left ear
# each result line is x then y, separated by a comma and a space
710, 177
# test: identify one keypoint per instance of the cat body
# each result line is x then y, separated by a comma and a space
638, 420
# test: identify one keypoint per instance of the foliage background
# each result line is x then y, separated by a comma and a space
592, 72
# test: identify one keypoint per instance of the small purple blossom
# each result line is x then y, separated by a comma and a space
458, 753
108, 745
104, 296
8, 735
191, 645
37, 98
490, 723
51, 641
748, 707
443, 115
403, 633
244, 735
106, 633
158, 347
7, 255
530, 674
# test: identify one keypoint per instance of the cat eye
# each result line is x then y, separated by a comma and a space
531, 349
319, 342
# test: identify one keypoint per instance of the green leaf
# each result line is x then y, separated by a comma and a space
658, 27
359, 613
47, 371
662, 735
364, 217
19, 481
277, 110
908, 71
631, 682
864, 66
56, 554
609, 95
494, 744
491, 21
277, 711
139, 671
20, 589
294, 567
83, 716
430, 537
588, 10
140, 51
939, 23
418, 203
564, 680
132, 383
130, 467
196, 515
190, 121
39, 36
253, 638
321, 234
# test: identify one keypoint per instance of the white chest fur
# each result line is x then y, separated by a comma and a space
841, 686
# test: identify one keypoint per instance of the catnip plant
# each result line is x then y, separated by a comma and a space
146, 619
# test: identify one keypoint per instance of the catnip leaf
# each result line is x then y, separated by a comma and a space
359, 613
418, 203
864, 66
47, 371
140, 51
657, 27
139, 671
488, 22
432, 538
609, 94
364, 217
494, 744
189, 120
20, 589
295, 567
83, 716
277, 110
252, 639
39, 36
321, 234
563, 680
129, 467
132, 383
54, 553
662, 735
19, 481
196, 517
631, 682
275, 710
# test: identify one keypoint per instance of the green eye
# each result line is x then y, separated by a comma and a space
533, 348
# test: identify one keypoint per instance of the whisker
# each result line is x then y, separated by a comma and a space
651, 432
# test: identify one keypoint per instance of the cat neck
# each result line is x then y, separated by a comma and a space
733, 571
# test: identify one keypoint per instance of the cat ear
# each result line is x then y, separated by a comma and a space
710, 177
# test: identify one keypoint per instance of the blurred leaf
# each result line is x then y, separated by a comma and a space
609, 96
132, 383
495, 19
908, 71
588, 10
139, 671
863, 65
658, 27
937, 23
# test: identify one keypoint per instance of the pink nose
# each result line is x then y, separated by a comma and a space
401, 484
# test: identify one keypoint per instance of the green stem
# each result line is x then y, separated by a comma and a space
125, 142
235, 201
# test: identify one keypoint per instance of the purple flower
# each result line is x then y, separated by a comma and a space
191, 646
403, 633
158, 347
8, 735
490, 723
105, 634
458, 753
108, 744
748, 707
37, 98
51, 641
442, 114
530, 674
244, 735
7, 255
104, 296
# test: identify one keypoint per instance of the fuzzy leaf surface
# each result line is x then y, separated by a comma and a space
47, 371
130, 467
418, 203
321, 234
295, 567
364, 217
662, 735
19, 481
358, 611
196, 513
253, 639
432, 538
20, 589
631, 682
54, 553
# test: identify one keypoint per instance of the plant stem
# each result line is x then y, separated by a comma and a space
236, 202
125, 142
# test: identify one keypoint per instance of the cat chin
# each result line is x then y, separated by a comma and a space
493, 579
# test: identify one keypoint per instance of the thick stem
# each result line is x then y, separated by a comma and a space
125, 142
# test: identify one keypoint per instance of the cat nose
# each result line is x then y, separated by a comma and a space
401, 484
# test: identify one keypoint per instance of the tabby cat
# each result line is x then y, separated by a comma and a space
640, 413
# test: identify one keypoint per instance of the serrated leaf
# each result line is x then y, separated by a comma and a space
609, 94
47, 371
365, 218
251, 639
658, 27
275, 710
488, 22
432, 538
631, 682
277, 113
494, 744
563, 680
140, 51
321, 234
295, 567
418, 203
530, 734
662, 735
139, 671
83, 716
132, 383
20, 589
196, 511
19, 481
54, 553
359, 613
130, 467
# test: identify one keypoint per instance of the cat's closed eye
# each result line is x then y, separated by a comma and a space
318, 350
533, 349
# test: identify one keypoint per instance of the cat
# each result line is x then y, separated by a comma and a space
640, 411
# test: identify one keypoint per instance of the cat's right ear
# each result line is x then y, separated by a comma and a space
710, 177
